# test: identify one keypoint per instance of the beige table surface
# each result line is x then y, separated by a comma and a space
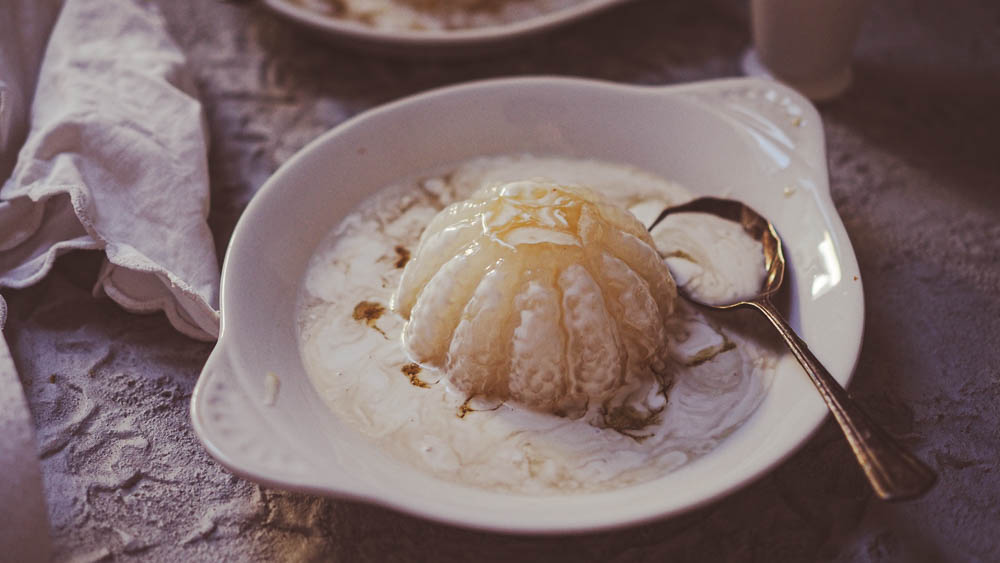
915, 170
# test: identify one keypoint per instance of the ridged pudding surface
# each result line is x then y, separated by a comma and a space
544, 294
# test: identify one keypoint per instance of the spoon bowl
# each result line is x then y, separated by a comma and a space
893, 472
754, 224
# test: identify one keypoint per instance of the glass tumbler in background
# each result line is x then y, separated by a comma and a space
807, 44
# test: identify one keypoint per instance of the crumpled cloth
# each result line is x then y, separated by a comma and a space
115, 159
103, 146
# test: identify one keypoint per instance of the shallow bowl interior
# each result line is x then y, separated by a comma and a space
256, 411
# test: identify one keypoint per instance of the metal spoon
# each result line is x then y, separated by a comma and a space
892, 471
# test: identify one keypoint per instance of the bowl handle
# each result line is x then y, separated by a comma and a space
234, 428
780, 117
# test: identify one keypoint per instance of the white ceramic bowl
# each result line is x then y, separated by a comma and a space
750, 139
447, 44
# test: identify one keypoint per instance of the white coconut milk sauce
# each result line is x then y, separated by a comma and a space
351, 347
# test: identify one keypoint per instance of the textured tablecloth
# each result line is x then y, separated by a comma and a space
915, 169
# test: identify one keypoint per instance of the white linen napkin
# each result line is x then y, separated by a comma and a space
115, 159
104, 143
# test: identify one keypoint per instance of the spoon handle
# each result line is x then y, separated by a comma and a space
892, 471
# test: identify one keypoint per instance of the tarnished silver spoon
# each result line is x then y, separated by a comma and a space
892, 471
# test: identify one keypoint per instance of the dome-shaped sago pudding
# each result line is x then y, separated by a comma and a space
544, 295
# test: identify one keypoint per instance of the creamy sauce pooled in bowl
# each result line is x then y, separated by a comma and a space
351, 344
